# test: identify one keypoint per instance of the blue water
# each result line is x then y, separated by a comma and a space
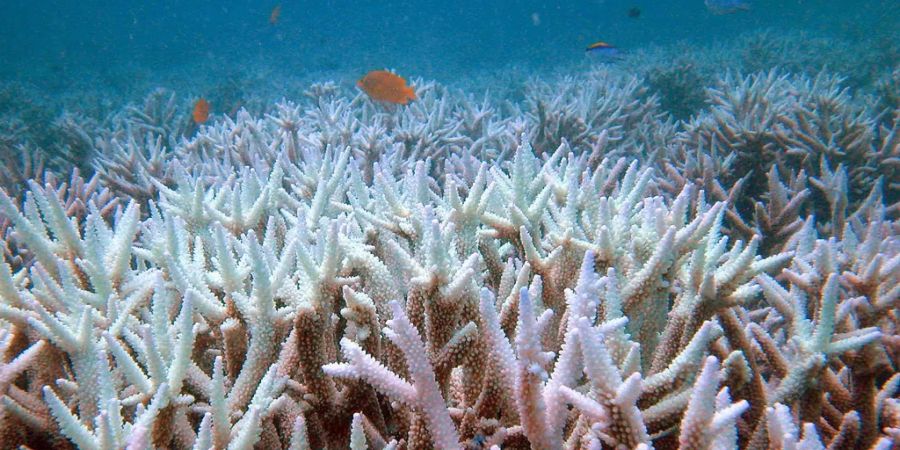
187, 45
74, 76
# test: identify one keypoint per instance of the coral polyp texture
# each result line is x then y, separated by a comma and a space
573, 270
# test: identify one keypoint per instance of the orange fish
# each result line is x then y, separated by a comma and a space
201, 111
384, 86
276, 13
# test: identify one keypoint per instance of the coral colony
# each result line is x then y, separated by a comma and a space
571, 270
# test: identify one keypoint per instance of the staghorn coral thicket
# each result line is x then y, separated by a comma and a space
575, 270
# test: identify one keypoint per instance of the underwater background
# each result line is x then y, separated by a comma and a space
61, 46
450, 224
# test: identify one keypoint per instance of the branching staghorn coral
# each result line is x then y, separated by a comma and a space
819, 123
578, 110
77, 198
808, 52
680, 88
336, 273
798, 126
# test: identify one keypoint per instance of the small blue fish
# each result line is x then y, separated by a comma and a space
604, 50
722, 7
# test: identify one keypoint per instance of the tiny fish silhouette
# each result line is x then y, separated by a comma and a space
722, 7
201, 111
384, 86
275, 14
634, 12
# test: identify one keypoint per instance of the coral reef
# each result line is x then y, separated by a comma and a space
575, 269
798, 126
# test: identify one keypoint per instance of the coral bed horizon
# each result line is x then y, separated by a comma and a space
578, 273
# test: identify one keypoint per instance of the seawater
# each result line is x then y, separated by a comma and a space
125, 48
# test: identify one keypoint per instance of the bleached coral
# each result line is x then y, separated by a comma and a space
538, 282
